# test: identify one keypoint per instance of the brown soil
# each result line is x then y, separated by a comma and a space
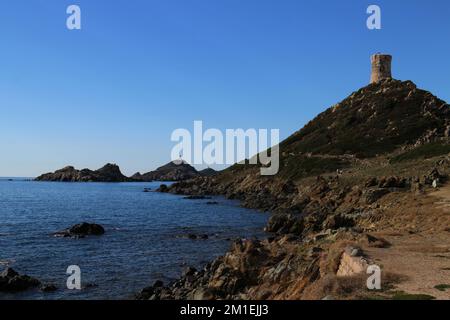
420, 250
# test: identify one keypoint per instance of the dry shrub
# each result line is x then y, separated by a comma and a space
349, 288
377, 242
390, 279
340, 288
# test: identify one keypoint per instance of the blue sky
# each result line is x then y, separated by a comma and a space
115, 90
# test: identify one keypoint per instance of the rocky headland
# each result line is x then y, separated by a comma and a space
364, 182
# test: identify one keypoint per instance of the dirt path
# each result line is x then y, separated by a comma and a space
443, 196
423, 256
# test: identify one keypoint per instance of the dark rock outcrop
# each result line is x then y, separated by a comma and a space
162, 188
108, 173
285, 224
11, 281
209, 172
81, 230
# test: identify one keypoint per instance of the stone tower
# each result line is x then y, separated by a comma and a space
381, 67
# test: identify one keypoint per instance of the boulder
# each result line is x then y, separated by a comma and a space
82, 230
352, 262
163, 188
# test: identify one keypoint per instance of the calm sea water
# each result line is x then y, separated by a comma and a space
143, 242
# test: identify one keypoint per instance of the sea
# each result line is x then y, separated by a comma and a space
146, 239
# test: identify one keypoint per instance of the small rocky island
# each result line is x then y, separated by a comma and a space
173, 171
108, 173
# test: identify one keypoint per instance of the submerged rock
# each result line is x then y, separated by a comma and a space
193, 236
197, 198
48, 288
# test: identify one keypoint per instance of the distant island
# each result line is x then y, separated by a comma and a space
173, 171
108, 173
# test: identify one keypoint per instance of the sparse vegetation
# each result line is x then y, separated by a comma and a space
407, 296
442, 287
368, 124
423, 152
401, 295
301, 167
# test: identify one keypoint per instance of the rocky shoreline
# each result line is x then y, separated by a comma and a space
304, 247
12, 282
338, 193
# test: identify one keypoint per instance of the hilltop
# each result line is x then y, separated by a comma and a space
383, 125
